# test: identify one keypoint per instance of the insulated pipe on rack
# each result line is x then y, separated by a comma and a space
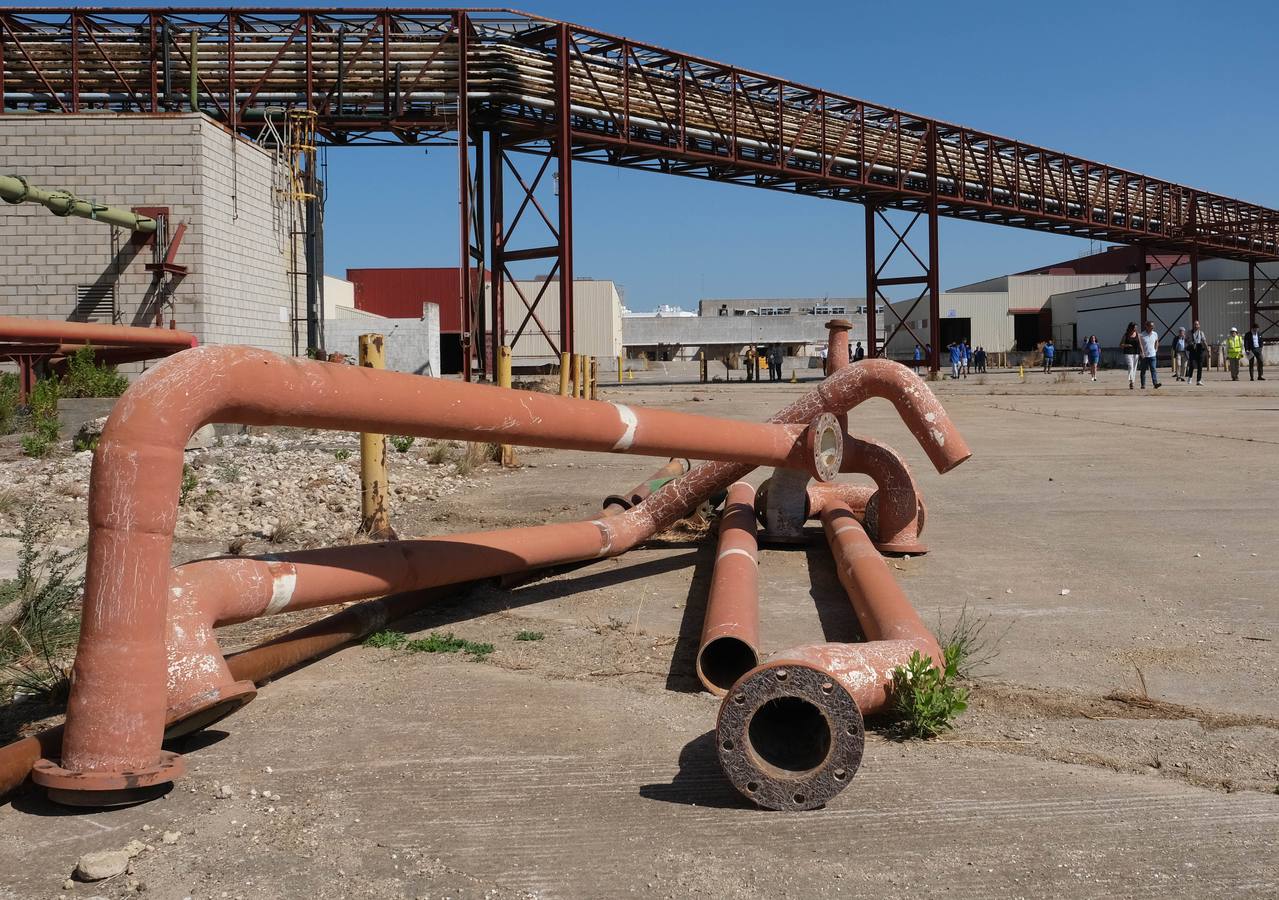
115, 714
16, 189
77, 334
730, 630
790, 732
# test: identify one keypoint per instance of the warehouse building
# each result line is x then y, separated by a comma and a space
725, 327
234, 276
403, 292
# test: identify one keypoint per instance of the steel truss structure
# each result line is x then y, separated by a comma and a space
572, 93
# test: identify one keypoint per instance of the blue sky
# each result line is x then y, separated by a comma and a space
1178, 90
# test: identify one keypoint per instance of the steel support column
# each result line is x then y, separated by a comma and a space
1172, 291
923, 279
564, 186
466, 301
497, 241
1263, 308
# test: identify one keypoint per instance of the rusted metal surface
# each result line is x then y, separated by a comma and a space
788, 729
837, 344
730, 630
618, 503
116, 710
52, 331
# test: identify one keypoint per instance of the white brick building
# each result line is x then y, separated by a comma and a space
236, 247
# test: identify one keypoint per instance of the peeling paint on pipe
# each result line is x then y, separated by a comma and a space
790, 733
894, 512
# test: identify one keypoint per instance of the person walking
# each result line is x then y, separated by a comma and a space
1092, 354
859, 352
1149, 341
1130, 344
1049, 353
1196, 350
751, 357
1179, 355
956, 359
979, 360
1234, 352
919, 354
1252, 345
965, 355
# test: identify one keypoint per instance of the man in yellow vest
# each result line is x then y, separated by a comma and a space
1234, 352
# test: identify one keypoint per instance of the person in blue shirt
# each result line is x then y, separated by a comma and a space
919, 354
1092, 354
1049, 352
956, 357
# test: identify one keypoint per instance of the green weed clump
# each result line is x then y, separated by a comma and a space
190, 481
529, 636
926, 700
8, 403
401, 442
87, 378
342, 455
448, 643
385, 640
42, 410
39, 620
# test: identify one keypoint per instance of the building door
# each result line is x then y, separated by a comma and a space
953, 330
1026, 330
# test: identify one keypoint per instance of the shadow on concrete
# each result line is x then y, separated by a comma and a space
699, 781
834, 609
682, 675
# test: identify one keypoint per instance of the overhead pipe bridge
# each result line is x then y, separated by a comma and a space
498, 82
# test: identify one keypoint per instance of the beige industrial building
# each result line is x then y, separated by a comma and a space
597, 320
235, 251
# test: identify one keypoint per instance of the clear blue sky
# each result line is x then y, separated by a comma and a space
1178, 90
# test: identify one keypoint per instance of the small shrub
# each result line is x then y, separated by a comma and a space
401, 442
86, 378
227, 472
9, 500
529, 636
448, 643
440, 452
190, 481
35, 446
283, 531
475, 456
8, 403
926, 700
971, 641
342, 455
386, 640
83, 442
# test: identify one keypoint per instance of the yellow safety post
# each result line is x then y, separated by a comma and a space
620, 366
579, 376
504, 380
374, 520
594, 378
1021, 372
701, 356
794, 378
564, 374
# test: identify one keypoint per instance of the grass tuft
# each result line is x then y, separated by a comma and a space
448, 643
971, 640
401, 442
386, 640
529, 636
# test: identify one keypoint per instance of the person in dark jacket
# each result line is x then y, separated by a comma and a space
775, 362
859, 353
1130, 344
1252, 347
1196, 350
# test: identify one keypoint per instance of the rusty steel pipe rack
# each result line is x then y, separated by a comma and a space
497, 83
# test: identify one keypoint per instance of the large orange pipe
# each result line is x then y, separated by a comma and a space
790, 732
53, 331
730, 629
894, 512
116, 716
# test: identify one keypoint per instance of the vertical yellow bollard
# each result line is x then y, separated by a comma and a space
620, 366
374, 520
504, 380
579, 375
594, 379
565, 365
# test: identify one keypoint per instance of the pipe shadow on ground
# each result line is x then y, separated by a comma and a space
682, 674
834, 609
487, 599
699, 781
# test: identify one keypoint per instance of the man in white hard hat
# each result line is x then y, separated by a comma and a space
1234, 352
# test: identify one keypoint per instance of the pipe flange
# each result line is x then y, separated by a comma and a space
789, 736
199, 712
825, 442
108, 788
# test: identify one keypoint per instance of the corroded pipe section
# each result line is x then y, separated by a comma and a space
837, 344
894, 512
618, 503
790, 733
730, 630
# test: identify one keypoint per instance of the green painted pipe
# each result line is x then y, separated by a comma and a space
195, 71
15, 189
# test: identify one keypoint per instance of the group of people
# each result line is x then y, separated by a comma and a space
1189, 349
772, 355
963, 358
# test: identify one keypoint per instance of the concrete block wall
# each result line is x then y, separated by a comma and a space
412, 345
237, 256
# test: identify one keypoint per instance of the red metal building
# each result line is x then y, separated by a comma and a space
399, 293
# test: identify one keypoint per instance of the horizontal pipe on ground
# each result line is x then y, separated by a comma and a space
790, 733
117, 707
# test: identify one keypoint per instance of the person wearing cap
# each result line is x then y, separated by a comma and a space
1252, 344
1234, 352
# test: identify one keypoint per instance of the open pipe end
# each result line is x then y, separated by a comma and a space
724, 660
789, 736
